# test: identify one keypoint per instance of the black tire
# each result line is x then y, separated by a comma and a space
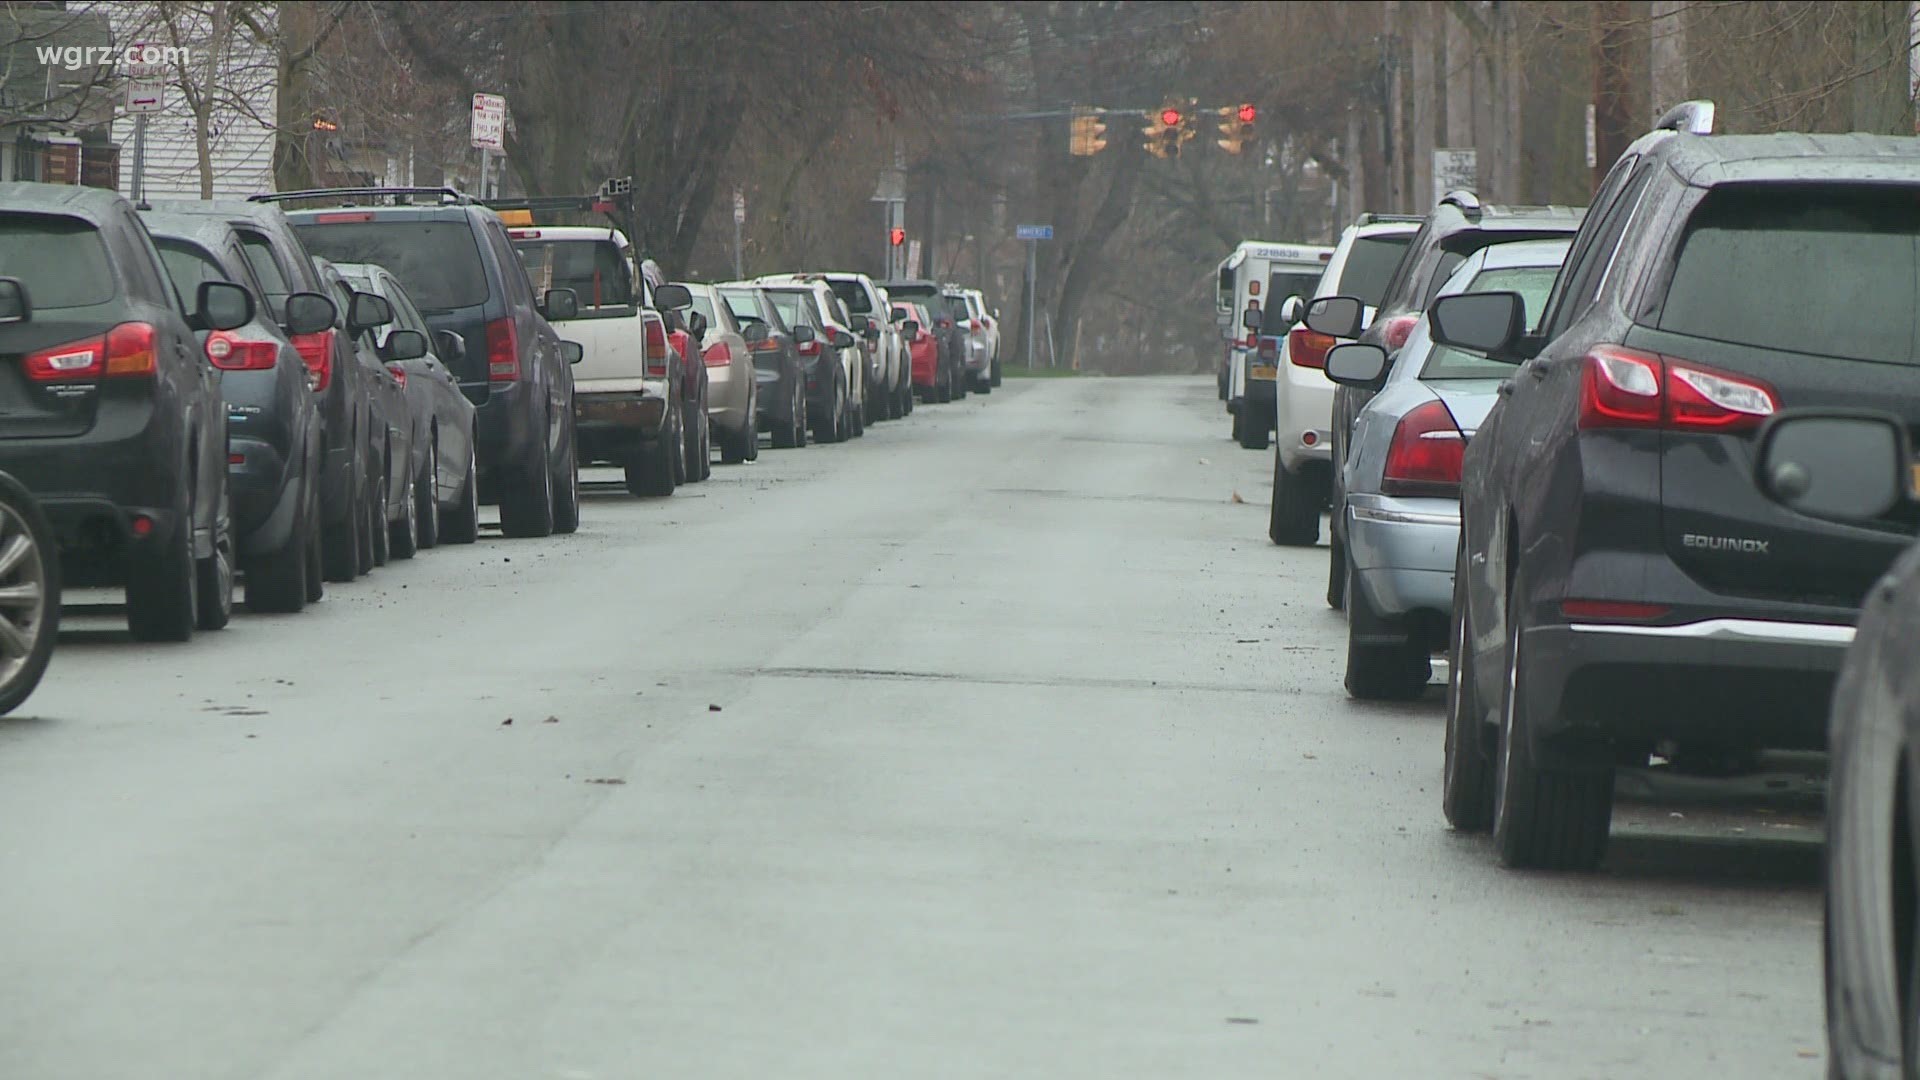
1294, 520
906, 393
791, 433
461, 525
733, 445
161, 602
526, 509
698, 442
30, 576
1543, 818
378, 527
1466, 791
993, 373
1250, 427
403, 536
566, 488
340, 556
654, 473
959, 382
943, 388
316, 548
277, 581
983, 384
213, 592
426, 493
1396, 671
1336, 573
857, 414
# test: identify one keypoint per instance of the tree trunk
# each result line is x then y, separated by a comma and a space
1668, 56
1882, 101
1423, 38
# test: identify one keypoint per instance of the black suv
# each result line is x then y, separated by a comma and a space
1459, 226
113, 414
1622, 587
456, 261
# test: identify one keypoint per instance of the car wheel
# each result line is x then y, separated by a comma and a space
1336, 573
426, 492
983, 383
698, 441
161, 605
789, 430
462, 524
1251, 427
857, 414
277, 582
403, 536
733, 447
566, 487
1294, 520
1392, 671
799, 433
316, 547
1466, 793
214, 591
993, 375
526, 510
340, 543
29, 593
906, 395
1543, 818
378, 527
943, 388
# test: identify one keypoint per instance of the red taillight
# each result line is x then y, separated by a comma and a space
230, 353
810, 348
1611, 609
236, 459
503, 351
718, 354
973, 325
1425, 456
142, 525
317, 351
765, 345
656, 347
1269, 349
1398, 328
1622, 387
125, 351
340, 219
1307, 348
399, 374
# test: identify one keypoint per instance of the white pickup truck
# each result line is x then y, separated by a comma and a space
626, 393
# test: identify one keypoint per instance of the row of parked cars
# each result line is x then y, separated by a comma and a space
1644, 475
201, 400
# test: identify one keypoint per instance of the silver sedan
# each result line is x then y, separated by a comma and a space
732, 393
1402, 476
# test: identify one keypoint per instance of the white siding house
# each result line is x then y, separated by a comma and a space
238, 74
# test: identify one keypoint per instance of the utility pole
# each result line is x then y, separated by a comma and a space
1669, 60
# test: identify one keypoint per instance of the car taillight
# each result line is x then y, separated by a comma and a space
973, 325
1611, 609
503, 351
764, 345
718, 354
1622, 387
1269, 349
1398, 328
1425, 456
124, 351
317, 351
230, 353
656, 348
810, 348
944, 323
1307, 348
399, 374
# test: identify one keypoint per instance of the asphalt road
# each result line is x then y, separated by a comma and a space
997, 744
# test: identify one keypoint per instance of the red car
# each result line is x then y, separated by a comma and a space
923, 347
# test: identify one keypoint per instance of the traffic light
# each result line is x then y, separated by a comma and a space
1165, 131
1087, 131
896, 236
1237, 127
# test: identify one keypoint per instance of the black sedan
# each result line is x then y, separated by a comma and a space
273, 418
777, 366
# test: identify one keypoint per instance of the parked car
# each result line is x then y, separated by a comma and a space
1850, 469
1624, 587
30, 584
780, 376
272, 414
732, 403
458, 264
114, 419
446, 482
931, 379
989, 319
830, 351
696, 459
342, 381
1457, 227
973, 343
1403, 476
951, 337
905, 390
1358, 266
886, 383
390, 436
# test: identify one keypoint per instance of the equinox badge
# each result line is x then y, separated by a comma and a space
1724, 543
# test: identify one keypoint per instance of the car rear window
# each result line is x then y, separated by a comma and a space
743, 306
593, 269
62, 260
1821, 270
957, 307
437, 261
791, 306
1533, 283
852, 295
704, 305
188, 264
1370, 265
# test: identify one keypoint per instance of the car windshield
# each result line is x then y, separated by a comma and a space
593, 269
1370, 263
1835, 253
437, 261
1533, 283
61, 260
188, 264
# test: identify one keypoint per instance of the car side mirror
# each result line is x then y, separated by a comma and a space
1337, 316
1357, 364
1489, 323
222, 305
841, 339
697, 325
1292, 309
310, 313
404, 345
911, 328
672, 297
1251, 319
451, 347
753, 332
14, 306
366, 312
802, 333
573, 351
559, 305
859, 324
1842, 466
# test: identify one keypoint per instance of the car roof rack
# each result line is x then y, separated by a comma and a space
614, 196
444, 194
1371, 218
1693, 117
1465, 201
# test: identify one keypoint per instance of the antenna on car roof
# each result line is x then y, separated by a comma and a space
1694, 117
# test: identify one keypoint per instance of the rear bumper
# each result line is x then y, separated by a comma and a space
1303, 423
614, 426
1402, 551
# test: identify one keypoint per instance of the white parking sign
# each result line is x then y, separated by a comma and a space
490, 121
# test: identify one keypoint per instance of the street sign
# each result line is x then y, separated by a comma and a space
913, 258
490, 121
146, 84
1034, 232
1453, 170
739, 207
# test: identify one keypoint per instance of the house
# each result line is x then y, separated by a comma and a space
55, 117
235, 78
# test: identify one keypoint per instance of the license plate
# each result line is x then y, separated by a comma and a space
1261, 371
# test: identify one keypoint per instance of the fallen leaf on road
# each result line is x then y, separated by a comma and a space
1204, 461
606, 780
1242, 1020
1309, 757
713, 708
1236, 498
508, 722
551, 720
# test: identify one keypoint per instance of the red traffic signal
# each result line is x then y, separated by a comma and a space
1170, 117
896, 236
1248, 114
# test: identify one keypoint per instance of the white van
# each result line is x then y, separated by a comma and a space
1259, 276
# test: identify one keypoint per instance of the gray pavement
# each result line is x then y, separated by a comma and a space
997, 744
